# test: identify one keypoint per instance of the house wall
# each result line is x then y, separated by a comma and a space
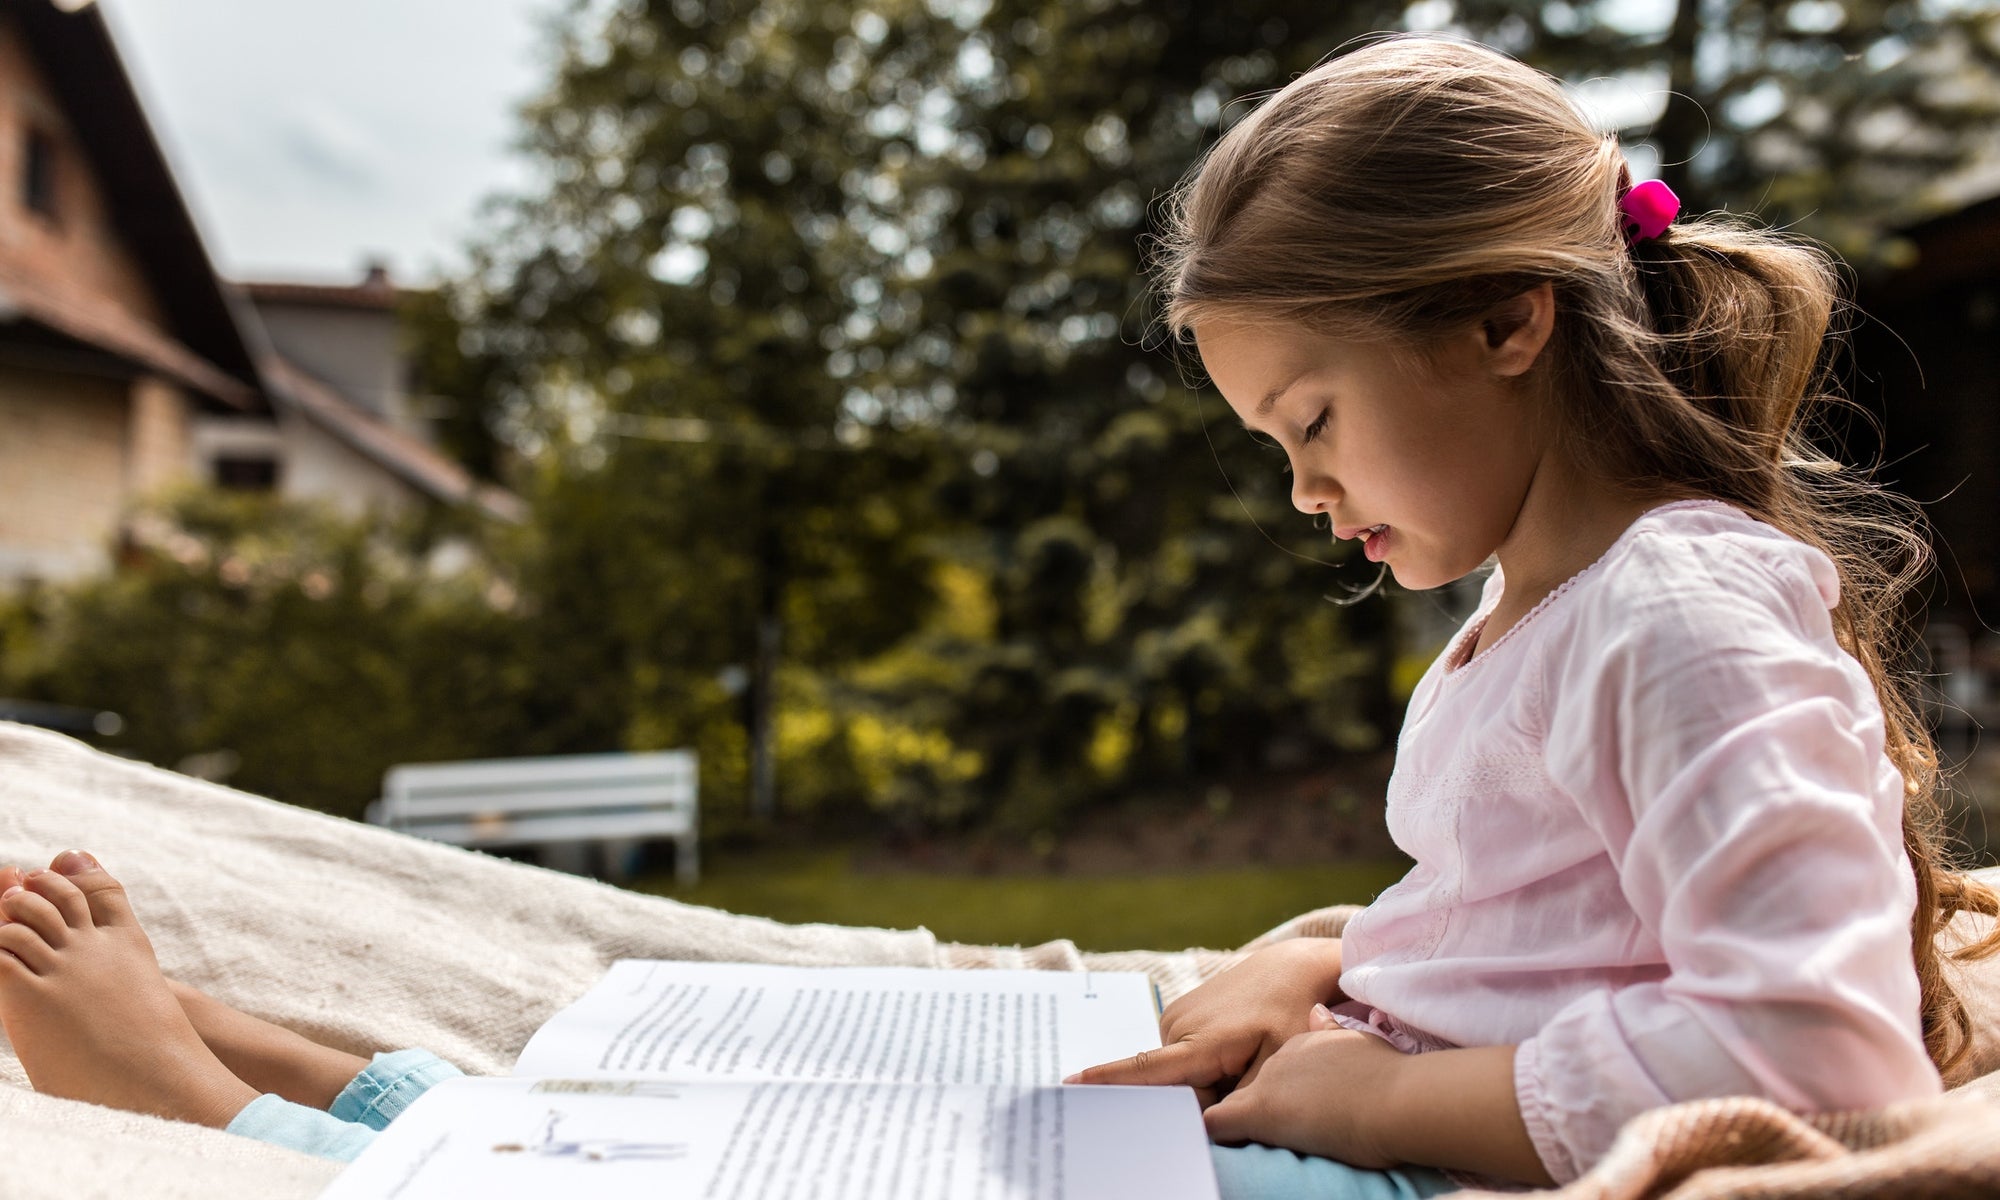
63, 472
80, 249
313, 464
159, 447
1926, 356
354, 349
321, 466
1931, 370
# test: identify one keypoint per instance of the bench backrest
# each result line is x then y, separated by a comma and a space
563, 798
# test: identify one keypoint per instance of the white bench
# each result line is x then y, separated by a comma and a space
570, 798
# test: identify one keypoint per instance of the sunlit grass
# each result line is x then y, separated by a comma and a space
1217, 908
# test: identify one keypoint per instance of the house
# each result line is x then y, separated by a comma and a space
1927, 359
1928, 350
127, 366
344, 428
115, 333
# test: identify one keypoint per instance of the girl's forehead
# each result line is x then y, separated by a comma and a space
1269, 348
1262, 361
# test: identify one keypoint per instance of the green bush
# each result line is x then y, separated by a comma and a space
314, 650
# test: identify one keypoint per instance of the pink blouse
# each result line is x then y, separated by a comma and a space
1658, 846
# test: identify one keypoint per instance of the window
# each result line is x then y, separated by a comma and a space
38, 173
246, 474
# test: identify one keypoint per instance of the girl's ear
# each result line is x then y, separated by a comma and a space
1516, 331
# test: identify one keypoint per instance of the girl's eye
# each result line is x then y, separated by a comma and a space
1316, 428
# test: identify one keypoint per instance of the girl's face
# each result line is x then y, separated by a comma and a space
1427, 465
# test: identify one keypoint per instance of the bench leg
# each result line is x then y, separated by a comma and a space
620, 856
571, 858
687, 867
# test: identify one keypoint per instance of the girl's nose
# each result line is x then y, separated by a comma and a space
1312, 492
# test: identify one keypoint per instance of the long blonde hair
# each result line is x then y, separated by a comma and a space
1405, 189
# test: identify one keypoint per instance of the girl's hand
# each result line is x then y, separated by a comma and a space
1321, 1093
1225, 1029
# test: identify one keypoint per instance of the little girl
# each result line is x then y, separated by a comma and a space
1672, 813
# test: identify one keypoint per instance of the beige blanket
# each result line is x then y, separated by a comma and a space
368, 940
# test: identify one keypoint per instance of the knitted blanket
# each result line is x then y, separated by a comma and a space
370, 940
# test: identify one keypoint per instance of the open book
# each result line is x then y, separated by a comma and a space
739, 1082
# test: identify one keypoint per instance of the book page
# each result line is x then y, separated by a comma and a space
613, 1139
691, 1021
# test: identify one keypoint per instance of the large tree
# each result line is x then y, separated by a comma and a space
661, 312
828, 341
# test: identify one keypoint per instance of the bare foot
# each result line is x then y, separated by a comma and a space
85, 1005
270, 1058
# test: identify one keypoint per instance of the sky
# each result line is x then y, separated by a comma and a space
310, 138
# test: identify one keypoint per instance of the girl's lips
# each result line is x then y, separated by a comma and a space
1377, 545
1374, 539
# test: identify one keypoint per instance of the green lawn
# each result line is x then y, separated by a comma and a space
1218, 908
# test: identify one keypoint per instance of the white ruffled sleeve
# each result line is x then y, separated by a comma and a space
1729, 755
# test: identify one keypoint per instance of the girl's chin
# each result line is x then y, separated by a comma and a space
1417, 576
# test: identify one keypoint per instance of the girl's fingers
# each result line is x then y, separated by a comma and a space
1232, 1119
1182, 1062
1250, 1076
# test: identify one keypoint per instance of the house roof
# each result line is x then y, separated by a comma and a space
374, 293
88, 79
404, 456
109, 327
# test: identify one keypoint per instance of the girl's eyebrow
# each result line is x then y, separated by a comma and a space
1271, 398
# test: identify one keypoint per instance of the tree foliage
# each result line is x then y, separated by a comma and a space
824, 354
1839, 117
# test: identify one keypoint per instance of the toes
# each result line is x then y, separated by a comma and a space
22, 949
10, 876
104, 895
20, 904
63, 894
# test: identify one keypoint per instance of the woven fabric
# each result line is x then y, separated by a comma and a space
372, 941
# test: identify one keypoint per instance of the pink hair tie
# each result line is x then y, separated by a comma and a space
1649, 208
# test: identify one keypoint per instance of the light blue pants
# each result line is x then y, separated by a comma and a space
372, 1099
1257, 1172
389, 1084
